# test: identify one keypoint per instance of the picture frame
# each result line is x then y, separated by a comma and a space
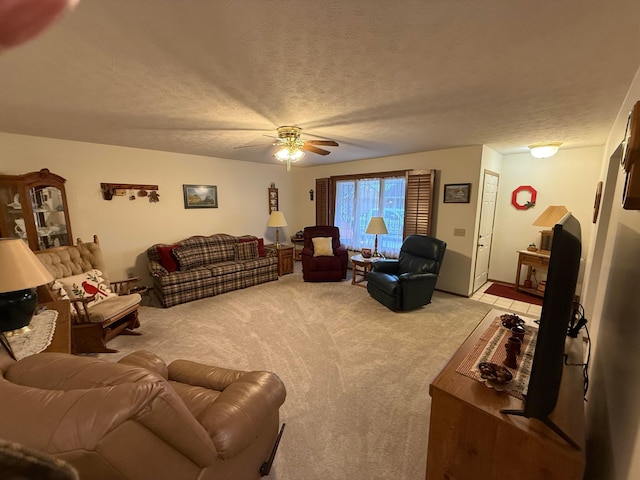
273, 199
200, 196
457, 193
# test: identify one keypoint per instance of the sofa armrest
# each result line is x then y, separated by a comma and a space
235, 417
156, 269
148, 360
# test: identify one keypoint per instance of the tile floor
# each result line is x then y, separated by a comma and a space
506, 303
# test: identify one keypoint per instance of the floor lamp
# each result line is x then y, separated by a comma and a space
277, 220
377, 227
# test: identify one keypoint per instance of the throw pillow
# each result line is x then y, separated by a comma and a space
190, 257
61, 294
167, 260
87, 284
261, 251
246, 250
322, 246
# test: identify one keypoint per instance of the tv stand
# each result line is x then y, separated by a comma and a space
470, 436
548, 423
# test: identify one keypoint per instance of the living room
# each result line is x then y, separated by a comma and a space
127, 228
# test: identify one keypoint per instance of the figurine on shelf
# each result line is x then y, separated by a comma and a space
154, 197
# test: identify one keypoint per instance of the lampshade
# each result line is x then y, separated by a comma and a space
20, 269
544, 150
551, 215
20, 273
377, 226
276, 219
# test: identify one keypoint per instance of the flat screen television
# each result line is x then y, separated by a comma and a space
557, 311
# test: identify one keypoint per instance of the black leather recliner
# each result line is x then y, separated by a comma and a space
409, 281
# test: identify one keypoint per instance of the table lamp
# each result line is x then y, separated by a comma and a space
377, 227
277, 220
551, 215
20, 274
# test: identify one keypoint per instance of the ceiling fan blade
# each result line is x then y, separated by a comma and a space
254, 145
319, 151
329, 143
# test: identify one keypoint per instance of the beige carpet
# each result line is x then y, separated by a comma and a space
357, 374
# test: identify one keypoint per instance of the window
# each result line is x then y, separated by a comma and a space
403, 198
357, 200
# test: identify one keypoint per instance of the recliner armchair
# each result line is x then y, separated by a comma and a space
409, 281
140, 419
323, 268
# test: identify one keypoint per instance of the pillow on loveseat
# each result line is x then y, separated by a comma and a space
245, 250
189, 257
167, 260
261, 251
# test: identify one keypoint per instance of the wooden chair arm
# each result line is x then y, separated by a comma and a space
123, 287
82, 311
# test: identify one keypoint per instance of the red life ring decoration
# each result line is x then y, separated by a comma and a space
529, 203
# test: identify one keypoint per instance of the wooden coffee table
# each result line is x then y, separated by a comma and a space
360, 266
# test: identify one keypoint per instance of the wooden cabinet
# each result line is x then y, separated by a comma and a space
285, 258
469, 437
34, 207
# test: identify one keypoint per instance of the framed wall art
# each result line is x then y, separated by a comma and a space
457, 193
200, 196
273, 199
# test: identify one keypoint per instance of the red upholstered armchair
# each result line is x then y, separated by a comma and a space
327, 260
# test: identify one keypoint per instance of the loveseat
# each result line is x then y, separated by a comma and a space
141, 419
203, 266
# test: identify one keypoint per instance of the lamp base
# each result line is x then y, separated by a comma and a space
16, 309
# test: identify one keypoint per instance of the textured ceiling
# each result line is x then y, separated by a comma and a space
380, 77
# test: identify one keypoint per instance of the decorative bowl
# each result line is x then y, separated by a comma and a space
510, 320
495, 373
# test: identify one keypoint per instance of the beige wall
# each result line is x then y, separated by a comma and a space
569, 178
456, 165
127, 228
614, 395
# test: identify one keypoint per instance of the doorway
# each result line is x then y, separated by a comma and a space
485, 232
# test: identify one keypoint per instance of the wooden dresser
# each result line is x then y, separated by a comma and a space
470, 439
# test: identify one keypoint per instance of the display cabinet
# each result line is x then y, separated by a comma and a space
34, 207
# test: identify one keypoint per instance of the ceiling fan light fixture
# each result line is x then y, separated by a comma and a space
292, 154
544, 150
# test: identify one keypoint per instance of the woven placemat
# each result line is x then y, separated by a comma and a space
490, 348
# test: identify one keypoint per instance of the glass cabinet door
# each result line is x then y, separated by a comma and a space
12, 222
49, 216
33, 207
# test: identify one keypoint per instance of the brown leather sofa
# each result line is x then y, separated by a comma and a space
139, 418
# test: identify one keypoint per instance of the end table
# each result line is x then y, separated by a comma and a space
365, 267
285, 258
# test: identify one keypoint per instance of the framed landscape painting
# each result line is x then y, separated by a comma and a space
457, 193
200, 196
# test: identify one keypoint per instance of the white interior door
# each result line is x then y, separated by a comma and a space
485, 234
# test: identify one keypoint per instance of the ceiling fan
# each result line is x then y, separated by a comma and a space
291, 147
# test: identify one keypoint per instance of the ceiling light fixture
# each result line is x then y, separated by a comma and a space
544, 150
290, 144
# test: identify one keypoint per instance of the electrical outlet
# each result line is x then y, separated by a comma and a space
459, 232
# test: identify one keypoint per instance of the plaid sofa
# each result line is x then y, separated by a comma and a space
210, 266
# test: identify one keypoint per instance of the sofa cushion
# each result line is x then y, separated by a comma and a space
224, 268
322, 246
167, 260
245, 250
85, 285
189, 257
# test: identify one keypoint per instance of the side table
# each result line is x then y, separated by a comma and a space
298, 244
360, 266
61, 341
285, 258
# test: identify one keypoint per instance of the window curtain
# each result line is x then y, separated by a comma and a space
357, 200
